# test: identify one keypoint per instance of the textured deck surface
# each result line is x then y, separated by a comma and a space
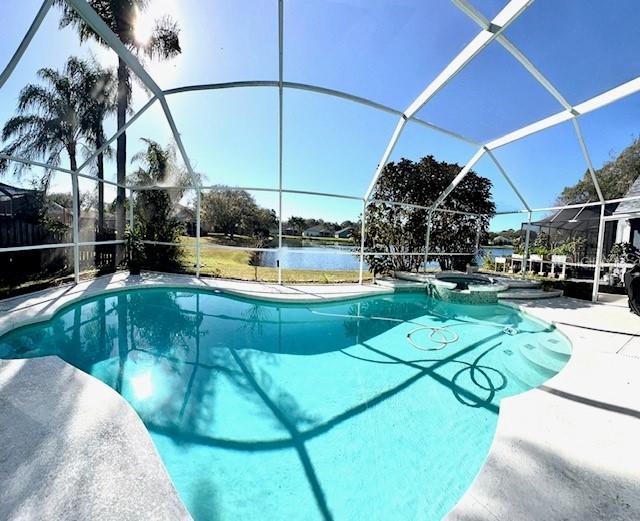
568, 450
72, 449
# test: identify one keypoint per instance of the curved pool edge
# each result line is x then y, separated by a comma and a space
78, 450
540, 418
553, 455
40, 306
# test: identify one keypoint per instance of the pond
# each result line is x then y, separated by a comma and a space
336, 257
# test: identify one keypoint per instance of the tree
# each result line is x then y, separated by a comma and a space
49, 120
298, 224
402, 229
541, 244
99, 90
615, 178
123, 17
56, 115
158, 166
233, 212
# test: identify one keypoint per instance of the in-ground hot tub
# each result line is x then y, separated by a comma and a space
453, 286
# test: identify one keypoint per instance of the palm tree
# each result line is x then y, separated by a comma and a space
57, 114
158, 166
163, 43
48, 122
98, 88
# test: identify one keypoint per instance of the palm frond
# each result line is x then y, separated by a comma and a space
165, 40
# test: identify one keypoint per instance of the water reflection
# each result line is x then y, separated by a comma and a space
232, 374
144, 342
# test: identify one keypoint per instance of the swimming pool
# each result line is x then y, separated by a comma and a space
376, 408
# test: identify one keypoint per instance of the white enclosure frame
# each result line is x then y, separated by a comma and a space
491, 30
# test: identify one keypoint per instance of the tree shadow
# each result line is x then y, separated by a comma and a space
547, 484
202, 348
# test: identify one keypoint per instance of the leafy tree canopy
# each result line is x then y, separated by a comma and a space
615, 178
232, 212
402, 229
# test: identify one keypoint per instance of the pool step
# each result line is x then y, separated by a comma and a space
531, 361
555, 348
528, 294
517, 283
542, 361
517, 368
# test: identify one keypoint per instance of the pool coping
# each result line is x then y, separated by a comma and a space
494, 494
104, 466
568, 449
41, 305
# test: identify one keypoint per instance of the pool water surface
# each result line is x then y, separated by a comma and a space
381, 408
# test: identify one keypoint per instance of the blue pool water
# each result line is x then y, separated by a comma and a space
267, 411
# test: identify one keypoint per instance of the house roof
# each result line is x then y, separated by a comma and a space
184, 212
9, 191
572, 219
633, 205
317, 228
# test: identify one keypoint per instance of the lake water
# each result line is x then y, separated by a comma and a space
335, 257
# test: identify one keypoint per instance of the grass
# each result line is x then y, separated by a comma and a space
234, 264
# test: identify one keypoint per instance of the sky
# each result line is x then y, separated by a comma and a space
387, 51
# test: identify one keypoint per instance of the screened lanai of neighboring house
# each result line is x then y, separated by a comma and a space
305, 113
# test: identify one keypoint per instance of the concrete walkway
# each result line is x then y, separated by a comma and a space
72, 449
570, 449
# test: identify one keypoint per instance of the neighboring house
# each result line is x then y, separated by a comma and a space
15, 200
57, 212
628, 224
501, 240
345, 233
289, 231
89, 220
319, 230
187, 216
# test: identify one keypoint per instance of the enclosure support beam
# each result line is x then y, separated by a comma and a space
587, 158
76, 227
57, 169
387, 154
485, 24
458, 179
280, 129
108, 142
598, 263
525, 256
198, 206
320, 90
88, 14
502, 20
362, 232
508, 179
31, 32
595, 103
427, 239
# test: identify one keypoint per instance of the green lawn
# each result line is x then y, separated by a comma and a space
233, 264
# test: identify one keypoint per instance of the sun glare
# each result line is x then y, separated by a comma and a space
145, 20
142, 385
143, 26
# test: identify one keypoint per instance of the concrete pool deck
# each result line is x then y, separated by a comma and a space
72, 448
567, 450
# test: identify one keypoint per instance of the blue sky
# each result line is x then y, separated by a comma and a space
387, 51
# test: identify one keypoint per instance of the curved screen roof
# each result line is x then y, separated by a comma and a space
317, 96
